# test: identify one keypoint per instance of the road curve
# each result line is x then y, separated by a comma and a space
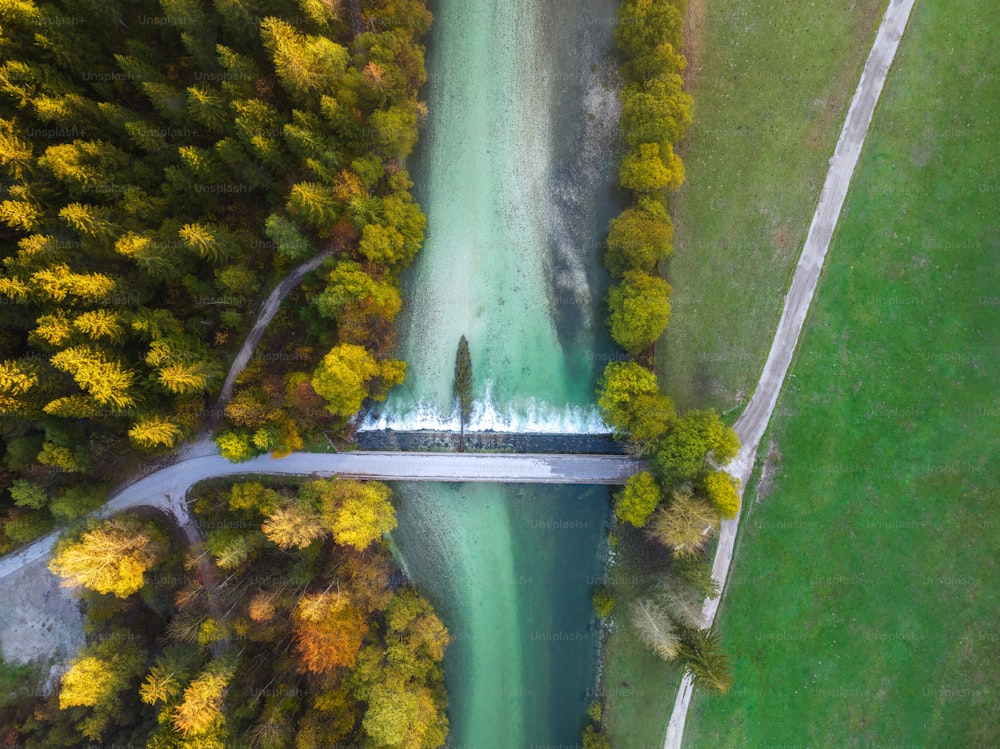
166, 489
753, 422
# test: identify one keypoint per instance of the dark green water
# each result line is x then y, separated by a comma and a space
514, 172
511, 570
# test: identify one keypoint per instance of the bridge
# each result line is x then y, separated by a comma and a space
503, 468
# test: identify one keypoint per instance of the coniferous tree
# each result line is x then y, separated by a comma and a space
463, 386
112, 557
706, 661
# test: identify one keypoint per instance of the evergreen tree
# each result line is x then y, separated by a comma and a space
706, 661
463, 386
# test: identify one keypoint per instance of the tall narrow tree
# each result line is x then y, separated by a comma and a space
463, 387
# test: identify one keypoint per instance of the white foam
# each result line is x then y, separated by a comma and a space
529, 416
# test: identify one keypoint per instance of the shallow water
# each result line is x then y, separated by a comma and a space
514, 173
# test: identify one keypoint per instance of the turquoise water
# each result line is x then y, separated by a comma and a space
511, 571
514, 173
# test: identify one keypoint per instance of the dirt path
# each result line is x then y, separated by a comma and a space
267, 312
751, 425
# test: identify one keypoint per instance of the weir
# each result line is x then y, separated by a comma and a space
497, 442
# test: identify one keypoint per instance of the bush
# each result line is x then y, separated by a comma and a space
604, 602
723, 491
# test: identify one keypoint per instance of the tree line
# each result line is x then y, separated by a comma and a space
682, 499
287, 627
162, 165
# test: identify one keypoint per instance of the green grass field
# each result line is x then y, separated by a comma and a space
773, 89
737, 219
862, 604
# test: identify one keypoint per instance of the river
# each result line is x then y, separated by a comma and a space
515, 173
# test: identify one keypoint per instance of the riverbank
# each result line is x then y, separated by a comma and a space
773, 82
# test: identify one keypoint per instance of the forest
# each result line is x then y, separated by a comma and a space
289, 626
162, 166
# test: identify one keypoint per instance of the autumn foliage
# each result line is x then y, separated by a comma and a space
299, 645
328, 631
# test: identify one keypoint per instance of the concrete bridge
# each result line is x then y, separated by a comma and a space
502, 468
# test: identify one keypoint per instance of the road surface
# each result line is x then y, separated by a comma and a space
753, 422
166, 489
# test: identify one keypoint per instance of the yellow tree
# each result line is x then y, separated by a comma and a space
313, 204
358, 513
293, 526
234, 447
343, 378
640, 310
88, 220
630, 402
55, 329
200, 710
639, 239
723, 491
637, 501
15, 151
19, 214
685, 525
648, 168
180, 377
162, 683
209, 242
111, 557
154, 431
17, 379
403, 717
101, 323
97, 679
57, 282
72, 407
87, 682
307, 65
108, 382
